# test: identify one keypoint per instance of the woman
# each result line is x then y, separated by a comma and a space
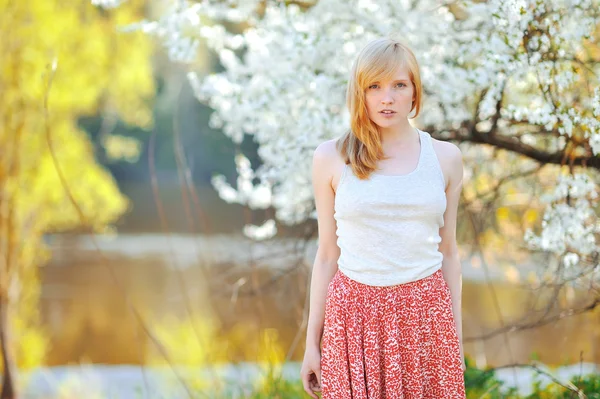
385, 302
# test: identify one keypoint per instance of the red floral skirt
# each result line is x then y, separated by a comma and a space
396, 342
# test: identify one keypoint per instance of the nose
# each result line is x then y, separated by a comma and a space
387, 98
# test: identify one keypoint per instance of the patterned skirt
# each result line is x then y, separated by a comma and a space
396, 342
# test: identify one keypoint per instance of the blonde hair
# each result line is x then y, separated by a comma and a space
360, 146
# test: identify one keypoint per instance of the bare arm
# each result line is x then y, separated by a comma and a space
325, 264
325, 164
451, 266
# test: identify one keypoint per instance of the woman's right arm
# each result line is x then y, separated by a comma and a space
325, 163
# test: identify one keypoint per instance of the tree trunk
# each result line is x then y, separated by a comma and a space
8, 388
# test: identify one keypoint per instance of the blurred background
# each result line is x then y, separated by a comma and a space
120, 259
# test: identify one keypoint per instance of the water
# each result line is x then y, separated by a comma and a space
240, 288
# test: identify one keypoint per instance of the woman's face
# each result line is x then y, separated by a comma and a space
389, 102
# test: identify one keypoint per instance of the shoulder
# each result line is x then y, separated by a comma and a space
448, 153
450, 158
327, 154
446, 150
328, 162
326, 150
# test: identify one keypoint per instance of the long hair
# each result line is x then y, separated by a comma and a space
361, 146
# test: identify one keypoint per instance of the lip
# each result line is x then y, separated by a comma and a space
387, 115
389, 111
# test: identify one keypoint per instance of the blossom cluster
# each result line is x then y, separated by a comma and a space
516, 66
569, 224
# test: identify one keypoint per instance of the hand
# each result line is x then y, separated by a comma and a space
311, 371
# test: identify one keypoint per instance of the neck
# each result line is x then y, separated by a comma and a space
401, 134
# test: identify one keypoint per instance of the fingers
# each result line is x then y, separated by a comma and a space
315, 385
307, 382
318, 378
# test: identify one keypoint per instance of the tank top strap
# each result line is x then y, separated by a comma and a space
428, 145
343, 174
430, 159
344, 171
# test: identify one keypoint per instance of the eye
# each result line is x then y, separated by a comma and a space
401, 85
373, 86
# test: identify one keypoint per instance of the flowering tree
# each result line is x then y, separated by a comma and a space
515, 75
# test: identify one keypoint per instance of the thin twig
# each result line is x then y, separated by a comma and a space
568, 385
83, 220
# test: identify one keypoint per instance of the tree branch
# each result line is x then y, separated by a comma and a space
536, 323
468, 133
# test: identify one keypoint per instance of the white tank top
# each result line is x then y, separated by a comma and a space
388, 225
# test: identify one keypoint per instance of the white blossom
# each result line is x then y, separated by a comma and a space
107, 4
284, 79
255, 196
596, 102
267, 230
570, 259
569, 224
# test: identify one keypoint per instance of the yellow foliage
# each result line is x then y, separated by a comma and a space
121, 147
271, 358
188, 343
98, 68
512, 274
32, 345
201, 347
483, 183
502, 214
270, 351
530, 217
95, 62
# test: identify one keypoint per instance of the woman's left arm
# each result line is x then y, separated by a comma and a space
451, 162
